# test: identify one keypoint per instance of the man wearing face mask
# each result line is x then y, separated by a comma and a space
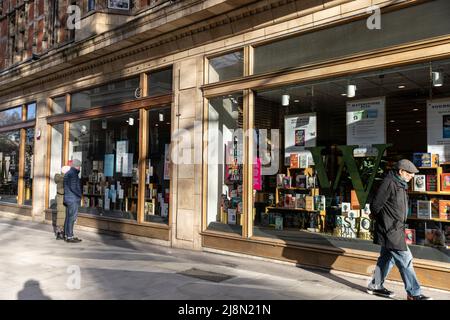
389, 210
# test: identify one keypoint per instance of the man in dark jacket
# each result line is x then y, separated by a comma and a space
389, 209
72, 199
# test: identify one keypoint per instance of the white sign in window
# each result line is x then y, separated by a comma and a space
119, 4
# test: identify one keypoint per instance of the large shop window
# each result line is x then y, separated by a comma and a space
16, 154
225, 163
109, 94
157, 168
28, 172
109, 151
401, 106
56, 158
226, 67
9, 166
355, 37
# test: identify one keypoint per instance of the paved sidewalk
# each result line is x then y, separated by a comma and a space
33, 265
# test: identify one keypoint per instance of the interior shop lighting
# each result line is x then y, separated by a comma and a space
130, 121
161, 117
437, 78
401, 86
285, 100
351, 90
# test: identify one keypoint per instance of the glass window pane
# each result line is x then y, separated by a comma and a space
31, 111
105, 95
57, 133
9, 166
160, 83
11, 116
157, 184
59, 105
355, 37
109, 150
225, 164
226, 67
29, 166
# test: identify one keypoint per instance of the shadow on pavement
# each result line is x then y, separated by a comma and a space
32, 291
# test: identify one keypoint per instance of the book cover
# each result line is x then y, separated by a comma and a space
287, 182
294, 160
279, 223
434, 207
422, 159
354, 200
365, 212
419, 183
280, 178
319, 202
431, 182
300, 201
345, 227
444, 209
435, 160
423, 209
364, 228
311, 182
303, 160
410, 236
345, 208
300, 181
231, 216
445, 182
299, 138
309, 203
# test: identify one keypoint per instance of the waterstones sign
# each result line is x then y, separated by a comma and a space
438, 128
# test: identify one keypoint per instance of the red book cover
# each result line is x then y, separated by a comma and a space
294, 160
410, 236
354, 200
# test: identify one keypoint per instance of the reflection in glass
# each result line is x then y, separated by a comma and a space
59, 105
157, 171
160, 83
31, 111
29, 166
225, 164
109, 150
108, 94
11, 116
226, 67
9, 166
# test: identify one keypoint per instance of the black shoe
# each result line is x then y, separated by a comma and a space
383, 292
59, 236
419, 297
73, 240
78, 239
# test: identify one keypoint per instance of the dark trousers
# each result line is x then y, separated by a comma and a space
71, 217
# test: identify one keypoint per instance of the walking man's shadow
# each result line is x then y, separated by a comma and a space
32, 291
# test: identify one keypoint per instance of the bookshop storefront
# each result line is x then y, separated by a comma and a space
123, 144
294, 154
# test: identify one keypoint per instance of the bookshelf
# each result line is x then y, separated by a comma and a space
432, 219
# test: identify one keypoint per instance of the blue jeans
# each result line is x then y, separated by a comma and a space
71, 217
403, 261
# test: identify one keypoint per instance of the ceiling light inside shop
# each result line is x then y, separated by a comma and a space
351, 90
392, 121
398, 130
343, 94
401, 86
104, 124
130, 121
285, 100
156, 125
437, 78
418, 121
161, 117
296, 101
415, 109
